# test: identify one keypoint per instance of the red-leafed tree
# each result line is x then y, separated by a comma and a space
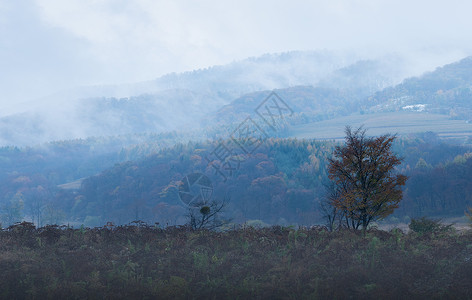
366, 186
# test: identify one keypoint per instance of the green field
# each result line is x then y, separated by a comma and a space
74, 185
400, 123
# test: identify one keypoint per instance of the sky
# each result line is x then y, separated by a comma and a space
52, 45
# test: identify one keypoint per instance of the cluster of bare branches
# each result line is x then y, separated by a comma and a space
207, 214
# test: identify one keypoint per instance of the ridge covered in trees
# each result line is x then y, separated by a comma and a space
283, 183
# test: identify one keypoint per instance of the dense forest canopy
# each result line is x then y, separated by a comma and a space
282, 183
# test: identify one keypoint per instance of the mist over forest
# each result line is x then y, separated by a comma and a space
118, 159
185, 101
248, 150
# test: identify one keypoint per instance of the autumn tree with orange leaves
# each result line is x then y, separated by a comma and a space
365, 185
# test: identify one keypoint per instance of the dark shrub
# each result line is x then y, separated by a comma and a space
425, 225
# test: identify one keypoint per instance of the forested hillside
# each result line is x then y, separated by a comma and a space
282, 183
309, 104
132, 176
33, 176
188, 100
235, 149
447, 90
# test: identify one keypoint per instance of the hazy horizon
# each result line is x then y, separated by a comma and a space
49, 46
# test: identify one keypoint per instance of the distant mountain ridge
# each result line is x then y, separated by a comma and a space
447, 90
181, 101
339, 93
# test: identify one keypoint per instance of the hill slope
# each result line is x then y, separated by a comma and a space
447, 90
175, 101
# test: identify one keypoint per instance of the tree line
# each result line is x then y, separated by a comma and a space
283, 183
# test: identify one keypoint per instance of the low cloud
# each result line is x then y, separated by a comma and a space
51, 45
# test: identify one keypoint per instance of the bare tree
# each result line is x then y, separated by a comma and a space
38, 198
207, 215
12, 209
332, 215
52, 214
